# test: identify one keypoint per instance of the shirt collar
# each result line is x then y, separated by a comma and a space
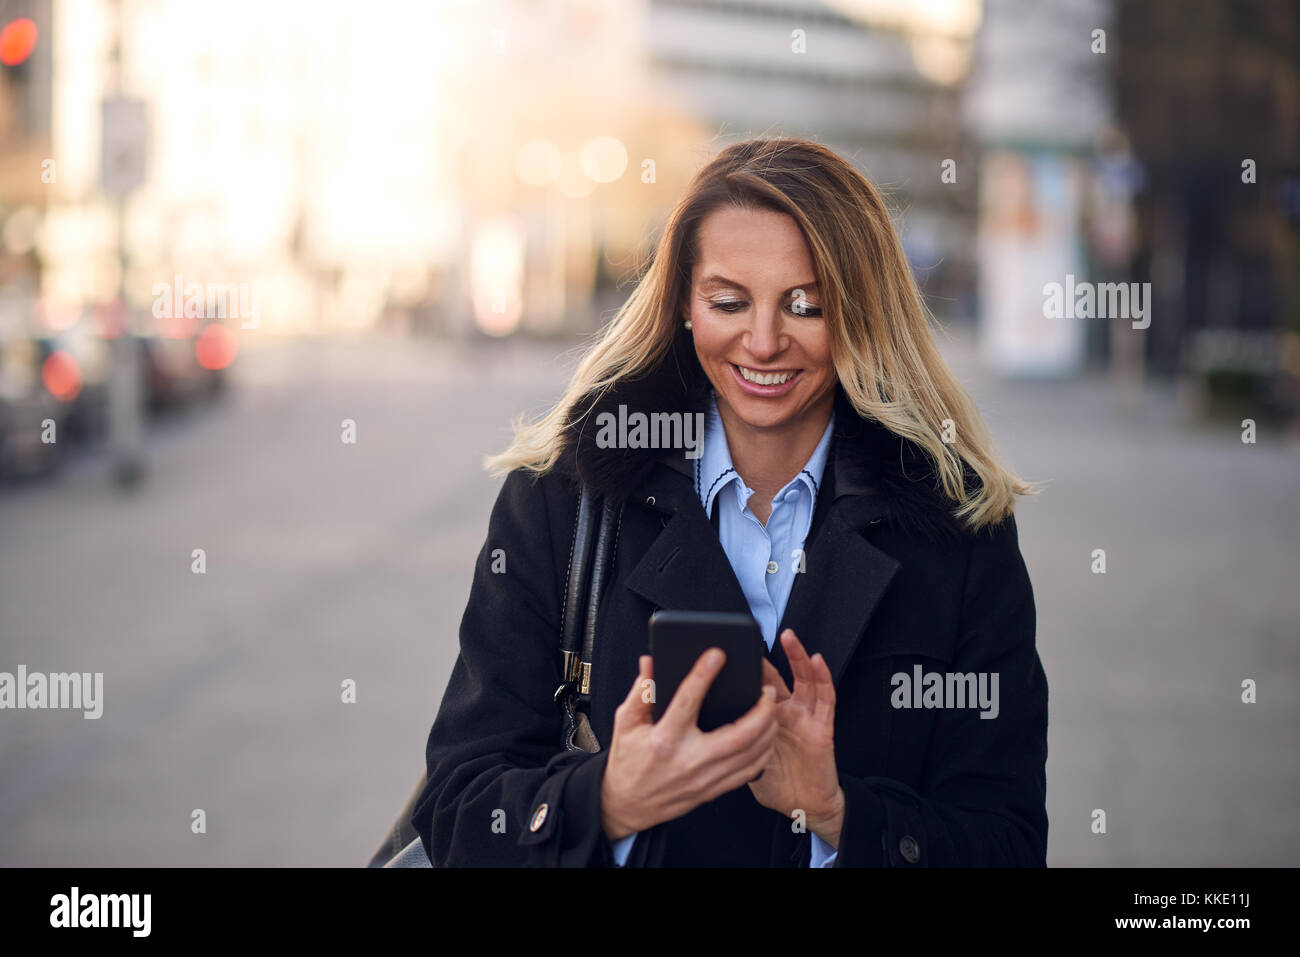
714, 470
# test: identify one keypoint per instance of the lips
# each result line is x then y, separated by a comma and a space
758, 377
767, 383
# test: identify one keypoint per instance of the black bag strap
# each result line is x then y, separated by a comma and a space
575, 586
595, 538
601, 568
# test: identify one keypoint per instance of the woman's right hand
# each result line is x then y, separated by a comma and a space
658, 771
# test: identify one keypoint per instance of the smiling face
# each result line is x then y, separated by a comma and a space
757, 323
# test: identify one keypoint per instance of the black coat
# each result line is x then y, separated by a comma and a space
891, 581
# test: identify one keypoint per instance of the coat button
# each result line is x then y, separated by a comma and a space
910, 850
539, 818
650, 500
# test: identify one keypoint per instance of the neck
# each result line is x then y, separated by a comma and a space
768, 458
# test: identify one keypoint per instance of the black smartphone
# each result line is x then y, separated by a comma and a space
678, 638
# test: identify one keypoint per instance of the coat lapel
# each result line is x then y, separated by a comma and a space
832, 601
686, 567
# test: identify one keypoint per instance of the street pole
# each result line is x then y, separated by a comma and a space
125, 414
125, 426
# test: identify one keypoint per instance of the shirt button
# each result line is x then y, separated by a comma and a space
772, 568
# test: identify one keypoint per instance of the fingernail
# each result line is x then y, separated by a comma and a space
715, 657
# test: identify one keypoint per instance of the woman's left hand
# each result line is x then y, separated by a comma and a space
801, 774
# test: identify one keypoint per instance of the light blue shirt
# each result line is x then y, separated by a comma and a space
765, 558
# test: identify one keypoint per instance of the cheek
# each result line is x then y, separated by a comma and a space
711, 342
818, 349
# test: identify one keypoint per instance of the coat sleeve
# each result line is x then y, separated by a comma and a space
981, 800
500, 790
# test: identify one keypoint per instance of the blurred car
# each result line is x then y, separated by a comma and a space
27, 409
187, 365
56, 384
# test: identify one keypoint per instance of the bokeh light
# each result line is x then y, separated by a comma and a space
215, 347
604, 159
61, 375
17, 41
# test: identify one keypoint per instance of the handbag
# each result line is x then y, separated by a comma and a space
595, 538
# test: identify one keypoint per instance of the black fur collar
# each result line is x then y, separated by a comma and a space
866, 458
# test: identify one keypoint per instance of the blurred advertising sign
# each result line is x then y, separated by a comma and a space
124, 145
1029, 237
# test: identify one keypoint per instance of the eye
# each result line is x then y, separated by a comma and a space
727, 305
806, 309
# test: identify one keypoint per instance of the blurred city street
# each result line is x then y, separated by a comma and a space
275, 278
327, 561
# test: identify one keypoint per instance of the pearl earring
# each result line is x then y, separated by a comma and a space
687, 323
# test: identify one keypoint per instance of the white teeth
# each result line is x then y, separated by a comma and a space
762, 378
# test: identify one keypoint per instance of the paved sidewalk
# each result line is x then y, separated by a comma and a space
328, 561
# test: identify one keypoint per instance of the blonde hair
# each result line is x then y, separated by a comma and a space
882, 345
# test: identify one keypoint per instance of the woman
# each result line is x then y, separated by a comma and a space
845, 494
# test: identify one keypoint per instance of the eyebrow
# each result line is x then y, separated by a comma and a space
717, 280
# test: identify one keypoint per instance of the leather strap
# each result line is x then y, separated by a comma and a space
594, 542
575, 586
595, 530
601, 561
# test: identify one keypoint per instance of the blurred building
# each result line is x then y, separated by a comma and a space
879, 82
25, 114
1143, 143
485, 167
1210, 97
467, 166
26, 64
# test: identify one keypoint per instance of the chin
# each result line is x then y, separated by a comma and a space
763, 413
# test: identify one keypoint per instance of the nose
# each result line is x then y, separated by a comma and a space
765, 339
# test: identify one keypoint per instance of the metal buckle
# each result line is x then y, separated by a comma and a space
570, 665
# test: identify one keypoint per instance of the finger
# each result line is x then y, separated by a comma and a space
825, 709
739, 769
773, 677
684, 710
743, 775
763, 749
743, 734
765, 760
638, 707
801, 668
